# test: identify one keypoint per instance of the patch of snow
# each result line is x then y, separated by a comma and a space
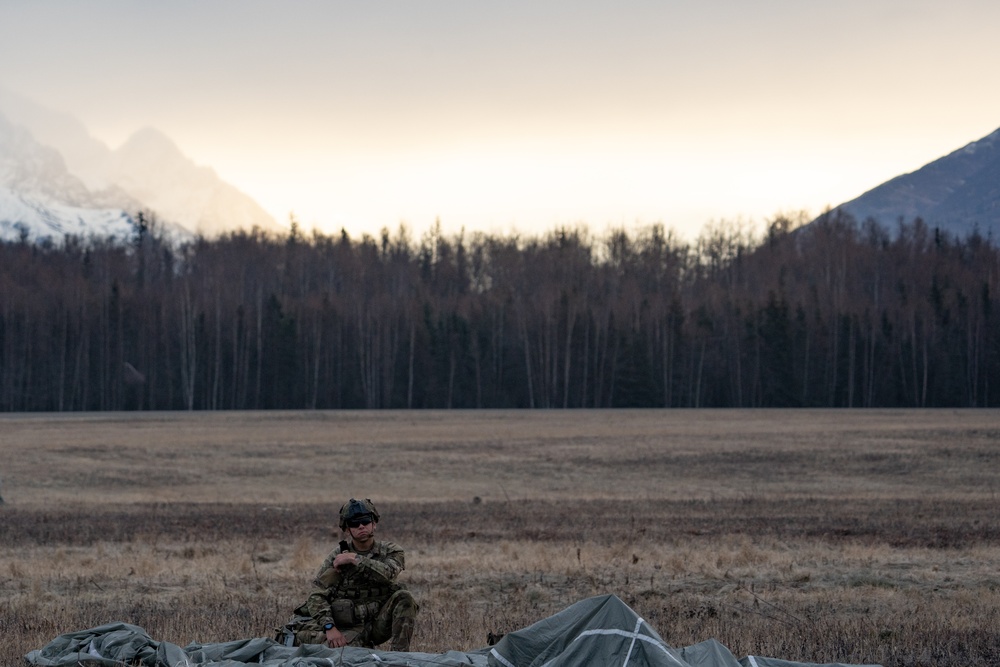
38, 219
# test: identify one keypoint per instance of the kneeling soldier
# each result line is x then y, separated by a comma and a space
356, 600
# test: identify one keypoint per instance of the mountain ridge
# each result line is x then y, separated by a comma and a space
40, 199
958, 193
147, 172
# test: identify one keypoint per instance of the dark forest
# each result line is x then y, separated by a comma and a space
832, 314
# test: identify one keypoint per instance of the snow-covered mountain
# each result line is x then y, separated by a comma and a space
151, 168
40, 199
52, 166
61, 131
38, 218
958, 193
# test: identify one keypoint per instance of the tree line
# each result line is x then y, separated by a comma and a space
831, 314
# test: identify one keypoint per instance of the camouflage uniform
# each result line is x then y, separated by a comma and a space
364, 601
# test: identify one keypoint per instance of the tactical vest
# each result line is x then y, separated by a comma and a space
360, 590
364, 594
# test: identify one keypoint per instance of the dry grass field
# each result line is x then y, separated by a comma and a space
854, 536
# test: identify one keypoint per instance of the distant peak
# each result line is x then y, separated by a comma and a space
149, 139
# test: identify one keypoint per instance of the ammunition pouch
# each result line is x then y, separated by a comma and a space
366, 611
359, 606
343, 613
366, 594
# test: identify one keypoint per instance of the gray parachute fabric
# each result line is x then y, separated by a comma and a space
601, 630
117, 644
112, 645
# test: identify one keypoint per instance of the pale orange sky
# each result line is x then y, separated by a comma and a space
523, 115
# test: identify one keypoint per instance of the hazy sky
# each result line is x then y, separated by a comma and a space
523, 114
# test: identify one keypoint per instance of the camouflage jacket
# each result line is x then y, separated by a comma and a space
373, 579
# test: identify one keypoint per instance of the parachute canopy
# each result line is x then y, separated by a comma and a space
601, 630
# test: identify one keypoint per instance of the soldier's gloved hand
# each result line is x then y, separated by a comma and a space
335, 638
347, 559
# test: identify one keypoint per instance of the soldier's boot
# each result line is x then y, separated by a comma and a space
402, 632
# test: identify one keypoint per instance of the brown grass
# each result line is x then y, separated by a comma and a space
855, 536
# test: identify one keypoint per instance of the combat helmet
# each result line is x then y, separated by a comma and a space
355, 509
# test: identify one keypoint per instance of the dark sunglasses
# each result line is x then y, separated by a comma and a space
357, 523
